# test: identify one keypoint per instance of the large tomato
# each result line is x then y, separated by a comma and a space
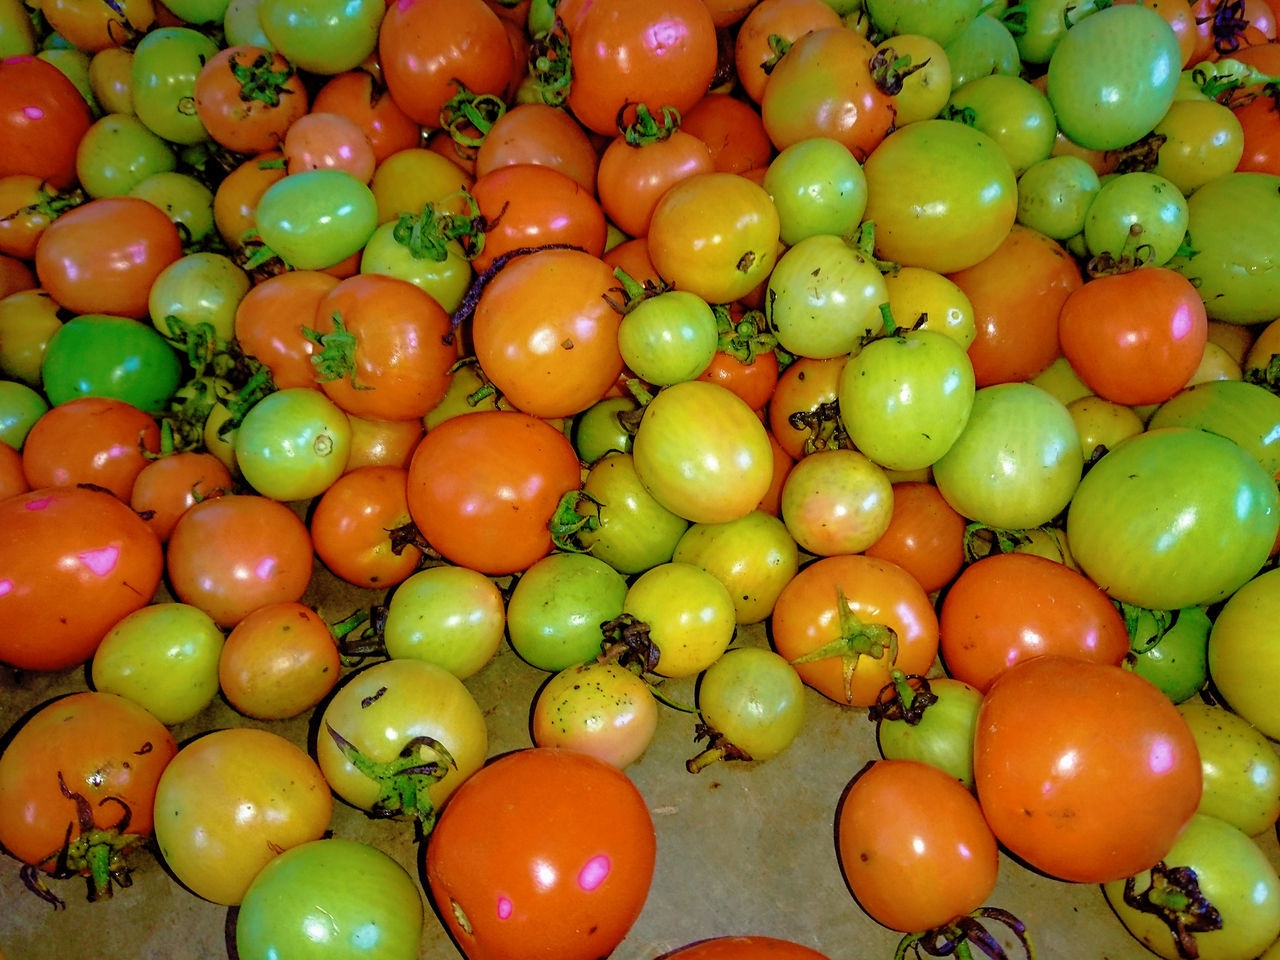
1067, 758
42, 118
73, 561
521, 863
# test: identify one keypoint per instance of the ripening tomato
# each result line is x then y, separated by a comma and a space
42, 118
247, 97
754, 53
1067, 755
539, 133
362, 98
354, 523
521, 863
278, 662
98, 440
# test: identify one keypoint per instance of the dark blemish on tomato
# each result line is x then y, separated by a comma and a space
567, 344
143, 750
747, 261
864, 857
369, 701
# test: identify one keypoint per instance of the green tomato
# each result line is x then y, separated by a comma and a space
557, 607
1173, 518
316, 218
1113, 75
117, 153
1230, 873
1235, 260
1170, 648
752, 699
1010, 111
241, 25
939, 20
598, 430
163, 656
1041, 24
1054, 195
669, 337
985, 47
823, 298
634, 531
293, 444
818, 187
1244, 412
20, 407
1137, 215
1244, 669
450, 616
322, 36
1017, 462
331, 899
199, 11
938, 733
100, 355
906, 398
446, 280
166, 63
1240, 767
187, 201
197, 290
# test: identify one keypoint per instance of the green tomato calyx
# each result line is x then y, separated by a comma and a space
904, 697
857, 640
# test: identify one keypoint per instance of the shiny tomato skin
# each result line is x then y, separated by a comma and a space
744, 947
520, 866
1068, 755
42, 118
74, 560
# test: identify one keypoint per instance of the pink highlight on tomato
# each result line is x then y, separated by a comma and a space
6, 587
594, 872
38, 504
265, 568
101, 561
505, 908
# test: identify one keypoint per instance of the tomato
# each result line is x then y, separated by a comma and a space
751, 705
1260, 137
232, 800
626, 526
315, 219
232, 554
382, 443
836, 501
519, 862
640, 164
96, 440
328, 141
984, 631
353, 523
166, 64
1204, 140
715, 234
1067, 754
293, 444
278, 662
824, 87
1240, 768
846, 621
12, 480
661, 54
556, 608
1221, 870
321, 37
199, 288
753, 556
931, 721
97, 355
944, 215
924, 90
103, 256
1247, 681
818, 186
42, 118
598, 430
598, 708
1102, 424
746, 947
754, 55
119, 152
1241, 411
360, 97
753, 380
1166, 539
74, 560
269, 321
397, 738
371, 905
247, 98
1054, 195
545, 331
77, 782
669, 337
1170, 649
163, 656
732, 131
484, 486
1018, 461
702, 453
424, 67
925, 535
800, 410
451, 616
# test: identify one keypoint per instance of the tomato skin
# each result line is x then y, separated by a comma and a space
42, 118
914, 846
925, 535
105, 748
352, 522
746, 947
533, 807
98, 440
248, 124
1067, 755
1248, 682
75, 561
1009, 607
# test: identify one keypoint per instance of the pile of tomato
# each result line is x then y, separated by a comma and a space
706, 356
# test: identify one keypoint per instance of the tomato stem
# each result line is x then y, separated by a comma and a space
905, 697
1173, 896
856, 640
718, 748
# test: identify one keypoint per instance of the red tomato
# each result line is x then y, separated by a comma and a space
754, 382
808, 387
521, 864
73, 562
247, 97
328, 141
1260, 124
12, 480
632, 176
542, 134
104, 256
925, 535
484, 486
361, 98
1068, 756
353, 524
231, 555
15, 276
914, 847
42, 118
732, 131
1137, 337
747, 947
269, 322
854, 618
166, 487
1009, 607
278, 662
98, 440
382, 443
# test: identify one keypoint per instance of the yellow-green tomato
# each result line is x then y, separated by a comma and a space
753, 556
669, 337
752, 700
1240, 766
1247, 624
690, 616
451, 616
202, 288
1054, 195
818, 187
599, 708
630, 530
1102, 423
293, 444
927, 85
163, 656
1212, 864
926, 300
446, 278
